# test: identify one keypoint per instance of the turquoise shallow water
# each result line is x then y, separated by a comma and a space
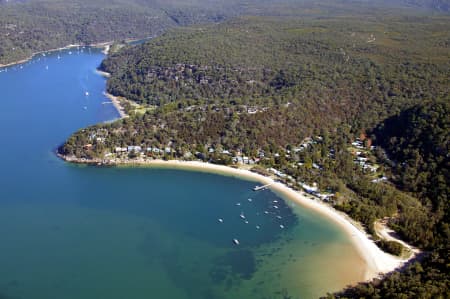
71, 231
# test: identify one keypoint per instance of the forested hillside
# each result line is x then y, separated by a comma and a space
350, 70
418, 142
260, 86
38, 25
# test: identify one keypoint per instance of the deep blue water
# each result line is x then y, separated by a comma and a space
71, 231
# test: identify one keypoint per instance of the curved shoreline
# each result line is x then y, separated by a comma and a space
377, 262
70, 46
104, 45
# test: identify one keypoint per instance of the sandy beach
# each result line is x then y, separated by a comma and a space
117, 104
378, 262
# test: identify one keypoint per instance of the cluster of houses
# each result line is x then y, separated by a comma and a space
237, 157
361, 158
313, 190
138, 149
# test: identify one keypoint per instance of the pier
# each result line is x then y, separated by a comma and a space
257, 188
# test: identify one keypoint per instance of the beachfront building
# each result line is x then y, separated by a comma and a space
134, 148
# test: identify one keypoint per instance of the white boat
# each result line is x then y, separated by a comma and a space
238, 204
281, 226
242, 216
250, 200
86, 93
220, 220
236, 241
257, 227
246, 221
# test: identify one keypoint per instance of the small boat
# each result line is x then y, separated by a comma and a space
246, 221
238, 204
85, 107
266, 212
242, 216
220, 220
250, 200
279, 217
236, 242
275, 201
276, 207
46, 67
281, 226
86, 93
257, 227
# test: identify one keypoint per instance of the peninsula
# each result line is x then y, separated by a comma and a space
310, 103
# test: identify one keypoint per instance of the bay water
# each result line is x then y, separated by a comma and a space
71, 232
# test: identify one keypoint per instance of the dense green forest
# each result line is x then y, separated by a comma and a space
417, 140
356, 70
30, 26
262, 86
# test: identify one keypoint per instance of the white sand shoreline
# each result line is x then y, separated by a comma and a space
377, 261
117, 104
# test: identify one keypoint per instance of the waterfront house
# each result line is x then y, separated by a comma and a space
120, 149
134, 148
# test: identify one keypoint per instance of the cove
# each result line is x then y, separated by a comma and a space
70, 231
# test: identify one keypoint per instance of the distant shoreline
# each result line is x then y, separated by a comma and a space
377, 261
105, 45
70, 46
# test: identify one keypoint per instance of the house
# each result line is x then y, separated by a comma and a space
380, 179
120, 149
277, 172
309, 189
316, 166
134, 148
